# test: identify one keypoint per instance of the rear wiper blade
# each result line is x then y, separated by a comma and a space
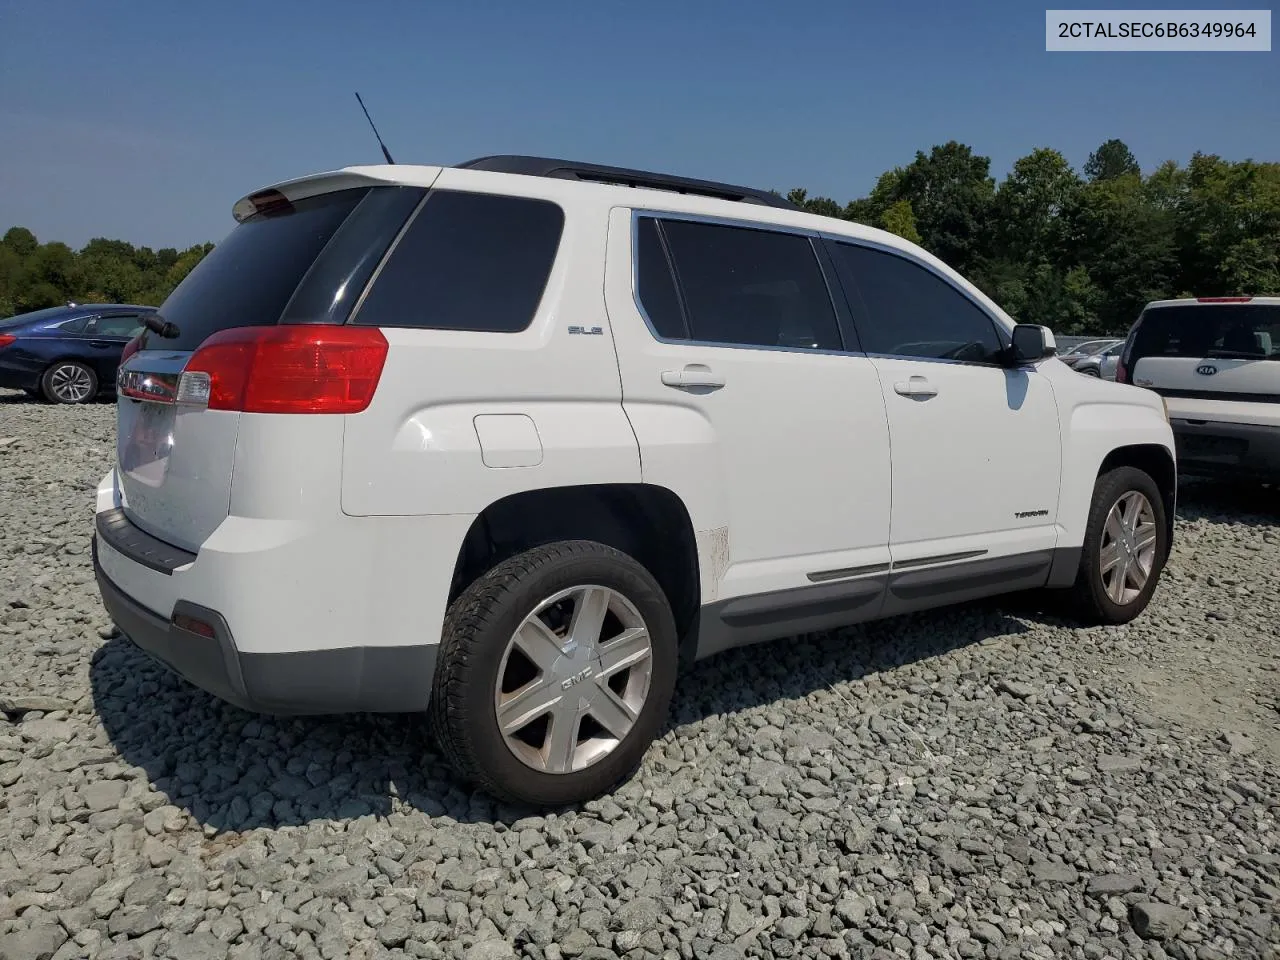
160, 326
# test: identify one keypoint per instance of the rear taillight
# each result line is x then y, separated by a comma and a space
1122, 375
286, 369
130, 349
6, 339
1223, 299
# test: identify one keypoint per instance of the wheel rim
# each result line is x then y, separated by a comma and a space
1128, 552
573, 679
71, 383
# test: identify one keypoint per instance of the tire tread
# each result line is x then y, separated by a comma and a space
466, 622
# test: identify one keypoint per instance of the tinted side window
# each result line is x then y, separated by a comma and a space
468, 261
655, 285
904, 310
751, 287
77, 325
120, 325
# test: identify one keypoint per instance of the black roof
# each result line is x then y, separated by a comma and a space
598, 173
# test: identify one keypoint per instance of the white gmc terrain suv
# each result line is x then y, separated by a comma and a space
513, 442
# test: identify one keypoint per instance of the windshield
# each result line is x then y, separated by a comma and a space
1245, 332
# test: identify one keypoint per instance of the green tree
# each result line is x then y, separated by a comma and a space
951, 194
899, 218
1126, 245
21, 241
1112, 159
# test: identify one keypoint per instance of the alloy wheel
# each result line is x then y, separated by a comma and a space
70, 383
1128, 552
573, 680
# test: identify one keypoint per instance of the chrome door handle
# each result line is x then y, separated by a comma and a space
693, 375
915, 387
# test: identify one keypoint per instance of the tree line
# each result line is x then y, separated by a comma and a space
35, 275
1078, 252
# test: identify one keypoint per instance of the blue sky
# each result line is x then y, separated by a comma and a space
145, 121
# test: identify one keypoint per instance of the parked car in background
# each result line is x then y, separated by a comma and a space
1102, 364
513, 442
1084, 350
67, 354
1216, 362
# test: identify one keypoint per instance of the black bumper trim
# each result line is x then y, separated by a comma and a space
1220, 449
309, 682
119, 532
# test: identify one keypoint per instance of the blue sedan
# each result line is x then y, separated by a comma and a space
68, 354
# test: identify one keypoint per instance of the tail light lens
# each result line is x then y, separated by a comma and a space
286, 369
1122, 374
130, 349
1223, 299
6, 339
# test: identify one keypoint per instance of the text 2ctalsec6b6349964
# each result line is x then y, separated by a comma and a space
512, 442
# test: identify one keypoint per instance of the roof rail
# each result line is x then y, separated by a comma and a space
597, 173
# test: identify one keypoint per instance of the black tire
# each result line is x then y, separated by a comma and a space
50, 388
1090, 372
477, 629
1089, 596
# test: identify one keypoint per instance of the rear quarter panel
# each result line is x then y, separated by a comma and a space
418, 449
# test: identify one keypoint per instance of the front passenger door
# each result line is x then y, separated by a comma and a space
975, 444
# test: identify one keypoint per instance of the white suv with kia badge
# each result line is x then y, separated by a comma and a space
513, 442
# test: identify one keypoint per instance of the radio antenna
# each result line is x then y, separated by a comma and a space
385, 153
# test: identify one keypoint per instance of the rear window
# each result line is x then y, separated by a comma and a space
35, 316
468, 261
1243, 331
249, 277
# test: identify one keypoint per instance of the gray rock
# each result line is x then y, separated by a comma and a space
344, 884
490, 950
1239, 743
1113, 884
34, 943
639, 914
1157, 921
1047, 871
28, 703
576, 943
198, 946
1116, 764
987, 933
104, 794
1015, 689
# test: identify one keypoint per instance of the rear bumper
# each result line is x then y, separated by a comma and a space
14, 376
1208, 448
338, 680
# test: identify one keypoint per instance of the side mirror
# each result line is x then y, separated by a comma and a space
1032, 342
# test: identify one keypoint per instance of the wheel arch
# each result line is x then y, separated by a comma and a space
1157, 462
646, 521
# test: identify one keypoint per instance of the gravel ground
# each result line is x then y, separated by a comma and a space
980, 782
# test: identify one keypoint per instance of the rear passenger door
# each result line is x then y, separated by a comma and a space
747, 401
976, 444
106, 337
